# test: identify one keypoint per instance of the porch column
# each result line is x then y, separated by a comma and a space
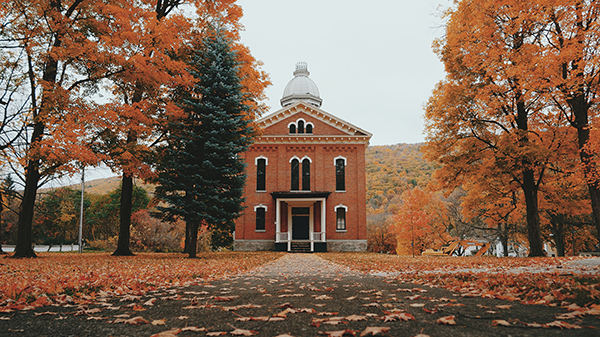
277, 220
323, 220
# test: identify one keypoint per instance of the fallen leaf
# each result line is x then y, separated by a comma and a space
183, 317
371, 304
243, 332
562, 325
138, 308
417, 305
449, 320
284, 335
216, 333
339, 333
122, 316
225, 298
356, 318
45, 313
133, 321
159, 322
150, 302
500, 322
193, 328
570, 315
374, 330
504, 306
534, 325
323, 297
398, 317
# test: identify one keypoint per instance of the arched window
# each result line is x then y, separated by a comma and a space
340, 217
306, 174
300, 126
295, 174
340, 174
309, 128
292, 128
261, 174
260, 217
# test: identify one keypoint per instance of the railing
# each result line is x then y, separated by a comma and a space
282, 237
319, 236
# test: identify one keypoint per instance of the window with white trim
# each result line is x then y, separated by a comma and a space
261, 212
261, 173
340, 173
301, 126
295, 170
306, 174
340, 217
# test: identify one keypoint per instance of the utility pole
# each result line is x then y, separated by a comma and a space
81, 209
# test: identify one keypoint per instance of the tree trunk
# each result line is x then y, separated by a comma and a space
533, 217
193, 247
504, 240
559, 238
1, 209
188, 236
125, 217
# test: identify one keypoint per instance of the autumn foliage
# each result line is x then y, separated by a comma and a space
509, 124
418, 222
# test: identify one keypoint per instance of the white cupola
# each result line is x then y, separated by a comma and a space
301, 88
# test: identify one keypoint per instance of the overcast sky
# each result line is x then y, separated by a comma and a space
371, 60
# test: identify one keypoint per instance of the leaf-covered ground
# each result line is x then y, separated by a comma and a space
23, 281
549, 281
297, 295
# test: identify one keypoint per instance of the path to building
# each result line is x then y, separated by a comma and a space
297, 295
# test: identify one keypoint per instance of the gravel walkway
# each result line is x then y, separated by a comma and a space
301, 265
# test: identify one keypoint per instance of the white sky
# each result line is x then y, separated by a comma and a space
371, 60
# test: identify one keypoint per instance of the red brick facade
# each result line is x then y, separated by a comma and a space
288, 209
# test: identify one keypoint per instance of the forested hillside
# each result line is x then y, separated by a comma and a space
390, 171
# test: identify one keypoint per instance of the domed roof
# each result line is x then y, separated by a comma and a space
301, 88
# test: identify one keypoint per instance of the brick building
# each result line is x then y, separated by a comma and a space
305, 189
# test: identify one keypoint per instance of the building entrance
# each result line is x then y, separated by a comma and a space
300, 227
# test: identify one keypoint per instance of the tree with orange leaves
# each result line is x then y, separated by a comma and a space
491, 119
144, 94
60, 51
573, 58
418, 222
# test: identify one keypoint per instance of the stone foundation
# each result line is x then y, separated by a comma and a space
332, 245
346, 245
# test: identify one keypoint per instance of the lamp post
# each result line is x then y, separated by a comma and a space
81, 210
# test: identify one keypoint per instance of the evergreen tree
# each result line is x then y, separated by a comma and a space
200, 177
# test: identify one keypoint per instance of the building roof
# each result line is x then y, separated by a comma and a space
301, 88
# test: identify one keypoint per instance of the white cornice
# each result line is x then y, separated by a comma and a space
313, 140
315, 112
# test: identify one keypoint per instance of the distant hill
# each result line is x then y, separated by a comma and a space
106, 185
391, 169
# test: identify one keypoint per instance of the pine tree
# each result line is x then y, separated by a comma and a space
200, 176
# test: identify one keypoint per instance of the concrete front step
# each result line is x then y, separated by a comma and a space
300, 247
